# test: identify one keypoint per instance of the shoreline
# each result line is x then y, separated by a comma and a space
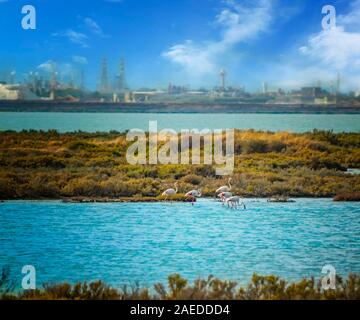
98, 107
181, 199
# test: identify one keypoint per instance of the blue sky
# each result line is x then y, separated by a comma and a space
186, 42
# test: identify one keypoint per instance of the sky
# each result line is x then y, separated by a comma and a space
186, 42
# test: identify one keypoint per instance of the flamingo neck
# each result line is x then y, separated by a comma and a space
229, 184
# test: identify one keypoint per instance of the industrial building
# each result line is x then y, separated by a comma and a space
16, 92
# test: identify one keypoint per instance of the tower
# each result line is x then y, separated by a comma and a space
12, 77
338, 83
82, 80
265, 87
72, 81
332, 89
222, 79
104, 81
53, 84
121, 80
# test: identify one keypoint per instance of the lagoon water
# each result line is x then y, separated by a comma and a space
92, 122
127, 242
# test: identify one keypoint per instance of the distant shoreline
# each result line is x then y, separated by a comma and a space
97, 107
178, 199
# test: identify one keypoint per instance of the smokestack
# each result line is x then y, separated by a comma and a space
104, 82
222, 79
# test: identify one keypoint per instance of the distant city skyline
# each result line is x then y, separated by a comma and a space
277, 42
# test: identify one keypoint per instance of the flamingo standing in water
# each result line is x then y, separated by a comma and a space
171, 192
224, 195
234, 202
193, 194
225, 188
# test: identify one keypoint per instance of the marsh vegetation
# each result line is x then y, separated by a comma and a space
50, 165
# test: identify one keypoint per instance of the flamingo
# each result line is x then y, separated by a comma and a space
234, 202
225, 188
194, 193
224, 195
171, 192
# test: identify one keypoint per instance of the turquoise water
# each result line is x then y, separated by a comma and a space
91, 122
127, 242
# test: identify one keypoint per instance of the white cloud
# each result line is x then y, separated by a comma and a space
337, 49
352, 19
79, 60
241, 23
47, 66
93, 26
238, 23
74, 37
193, 57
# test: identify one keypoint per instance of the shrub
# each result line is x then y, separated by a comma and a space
353, 196
317, 146
192, 179
256, 146
276, 146
205, 171
328, 136
6, 284
81, 145
316, 163
39, 162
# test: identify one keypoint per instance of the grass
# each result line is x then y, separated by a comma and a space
50, 165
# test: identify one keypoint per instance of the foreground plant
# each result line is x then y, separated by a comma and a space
178, 288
